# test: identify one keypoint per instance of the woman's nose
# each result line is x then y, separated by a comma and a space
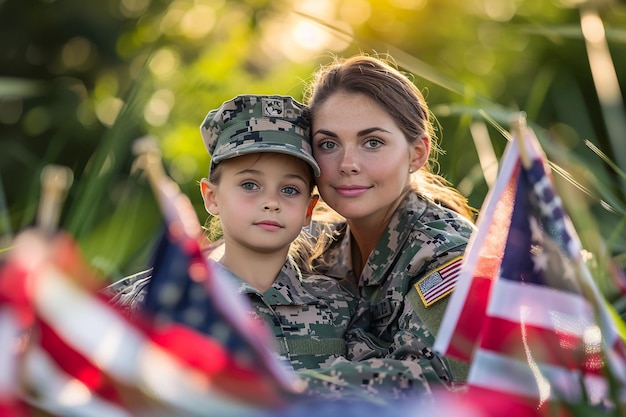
349, 163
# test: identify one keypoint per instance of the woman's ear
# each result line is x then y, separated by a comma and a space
309, 210
420, 151
209, 196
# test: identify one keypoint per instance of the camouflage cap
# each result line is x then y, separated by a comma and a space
258, 123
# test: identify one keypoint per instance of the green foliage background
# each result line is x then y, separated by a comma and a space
80, 81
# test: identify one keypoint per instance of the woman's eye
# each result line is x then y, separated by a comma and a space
373, 143
290, 190
249, 186
327, 145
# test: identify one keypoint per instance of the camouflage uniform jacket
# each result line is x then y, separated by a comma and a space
405, 284
307, 316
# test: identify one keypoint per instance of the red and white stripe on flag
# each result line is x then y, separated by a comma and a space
10, 403
83, 357
526, 313
462, 324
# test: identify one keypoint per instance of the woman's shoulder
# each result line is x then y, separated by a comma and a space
429, 216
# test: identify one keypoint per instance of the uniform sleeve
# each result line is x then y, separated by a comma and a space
414, 341
370, 372
375, 379
413, 321
128, 292
427, 286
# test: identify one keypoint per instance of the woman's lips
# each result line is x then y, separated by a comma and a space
351, 191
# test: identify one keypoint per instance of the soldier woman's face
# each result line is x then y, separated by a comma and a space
364, 157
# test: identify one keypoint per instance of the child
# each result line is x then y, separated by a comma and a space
260, 187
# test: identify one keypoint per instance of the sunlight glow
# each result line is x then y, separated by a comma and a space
602, 67
197, 22
107, 110
500, 10
309, 36
409, 4
159, 107
165, 63
76, 53
355, 12
133, 8
171, 19
301, 37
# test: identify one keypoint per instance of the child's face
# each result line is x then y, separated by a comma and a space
262, 200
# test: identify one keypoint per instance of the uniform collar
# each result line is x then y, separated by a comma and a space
287, 289
395, 235
393, 238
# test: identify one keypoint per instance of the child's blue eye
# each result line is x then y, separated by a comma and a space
249, 186
290, 190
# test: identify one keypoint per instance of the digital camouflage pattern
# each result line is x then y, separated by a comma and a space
307, 316
129, 292
252, 123
420, 238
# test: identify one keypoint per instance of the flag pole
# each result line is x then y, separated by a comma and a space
165, 189
518, 129
55, 182
148, 159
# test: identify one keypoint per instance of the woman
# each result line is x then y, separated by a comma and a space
405, 230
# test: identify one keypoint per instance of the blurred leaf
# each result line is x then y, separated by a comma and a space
18, 87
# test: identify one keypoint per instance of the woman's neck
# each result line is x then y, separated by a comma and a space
363, 242
257, 269
365, 234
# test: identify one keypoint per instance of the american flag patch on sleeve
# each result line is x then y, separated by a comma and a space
439, 283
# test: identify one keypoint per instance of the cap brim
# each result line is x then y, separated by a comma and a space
265, 147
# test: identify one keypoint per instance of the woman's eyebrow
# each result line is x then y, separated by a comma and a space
363, 132
325, 132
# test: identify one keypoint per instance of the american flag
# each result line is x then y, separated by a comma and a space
68, 351
76, 355
526, 313
187, 300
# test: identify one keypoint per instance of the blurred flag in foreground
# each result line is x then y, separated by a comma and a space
526, 312
79, 356
67, 351
187, 300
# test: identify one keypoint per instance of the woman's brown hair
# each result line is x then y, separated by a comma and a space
380, 79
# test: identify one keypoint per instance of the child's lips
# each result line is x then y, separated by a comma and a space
269, 225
